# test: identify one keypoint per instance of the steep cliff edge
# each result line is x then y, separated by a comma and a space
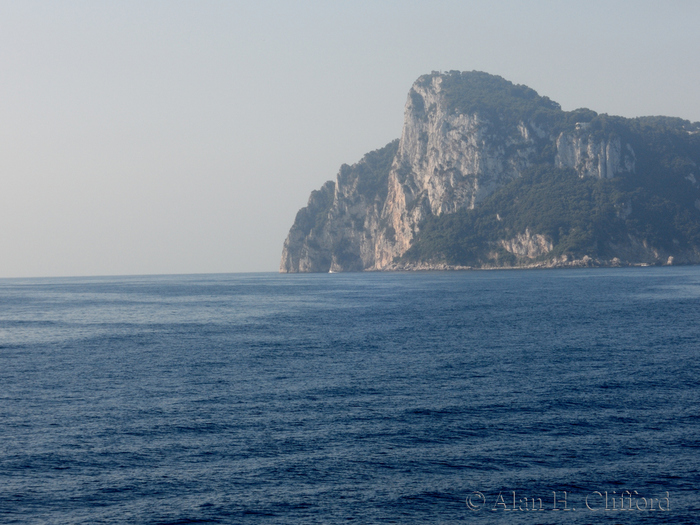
487, 174
336, 231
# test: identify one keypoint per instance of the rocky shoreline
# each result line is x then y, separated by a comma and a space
557, 262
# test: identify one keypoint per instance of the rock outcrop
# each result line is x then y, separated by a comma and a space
465, 135
446, 161
528, 245
306, 248
337, 229
593, 157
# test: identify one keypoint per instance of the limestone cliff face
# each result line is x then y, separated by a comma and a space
593, 156
336, 231
465, 135
446, 161
305, 249
527, 245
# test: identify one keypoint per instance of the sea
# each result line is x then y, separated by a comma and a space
513, 396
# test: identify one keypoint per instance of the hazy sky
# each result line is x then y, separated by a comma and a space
143, 137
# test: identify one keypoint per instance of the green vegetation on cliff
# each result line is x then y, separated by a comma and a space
655, 205
546, 186
371, 174
478, 92
580, 216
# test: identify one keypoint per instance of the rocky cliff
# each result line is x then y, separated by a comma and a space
466, 137
337, 231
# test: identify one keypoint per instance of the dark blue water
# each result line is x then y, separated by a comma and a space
366, 398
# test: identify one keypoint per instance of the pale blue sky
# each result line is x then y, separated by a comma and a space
143, 137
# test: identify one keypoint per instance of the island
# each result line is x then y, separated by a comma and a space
489, 174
